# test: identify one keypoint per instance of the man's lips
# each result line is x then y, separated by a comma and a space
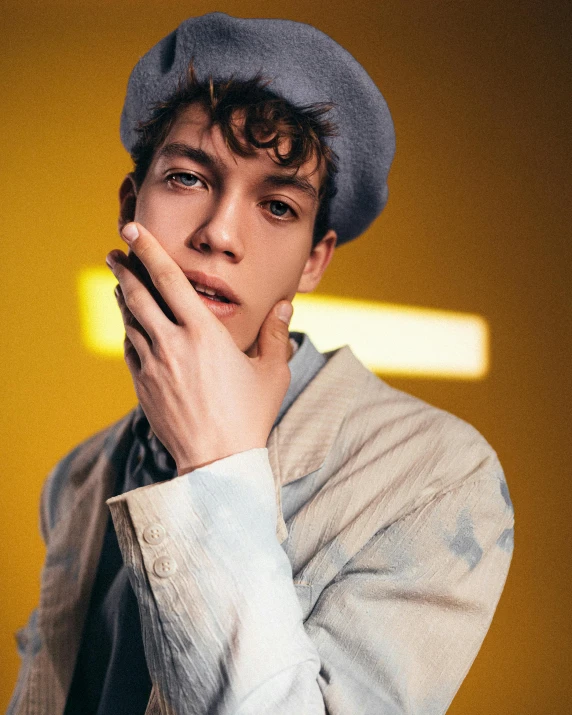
219, 309
213, 282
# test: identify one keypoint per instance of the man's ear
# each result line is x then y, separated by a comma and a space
317, 262
127, 201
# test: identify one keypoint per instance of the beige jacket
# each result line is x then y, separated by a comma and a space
351, 567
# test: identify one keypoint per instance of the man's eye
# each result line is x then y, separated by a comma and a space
184, 179
279, 209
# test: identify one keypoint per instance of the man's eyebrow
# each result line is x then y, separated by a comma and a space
180, 149
292, 180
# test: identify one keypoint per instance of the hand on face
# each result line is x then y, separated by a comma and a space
203, 397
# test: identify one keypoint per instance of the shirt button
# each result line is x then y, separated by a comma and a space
164, 566
154, 534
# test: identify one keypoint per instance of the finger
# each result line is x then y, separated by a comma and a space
135, 265
131, 357
133, 329
137, 298
274, 337
168, 278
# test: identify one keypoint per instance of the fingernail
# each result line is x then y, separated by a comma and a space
130, 232
285, 311
110, 260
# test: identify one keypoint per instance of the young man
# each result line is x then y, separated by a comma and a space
271, 530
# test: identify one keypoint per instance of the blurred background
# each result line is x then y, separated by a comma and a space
478, 221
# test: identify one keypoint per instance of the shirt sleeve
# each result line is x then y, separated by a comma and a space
394, 633
399, 627
221, 622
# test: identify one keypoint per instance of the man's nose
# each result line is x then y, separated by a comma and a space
221, 231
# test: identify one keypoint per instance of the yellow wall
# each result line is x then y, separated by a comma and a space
476, 222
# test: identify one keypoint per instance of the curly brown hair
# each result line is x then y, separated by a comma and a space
268, 119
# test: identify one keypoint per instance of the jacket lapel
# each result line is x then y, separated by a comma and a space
302, 440
300, 443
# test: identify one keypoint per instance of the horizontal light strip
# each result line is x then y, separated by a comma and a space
391, 339
397, 339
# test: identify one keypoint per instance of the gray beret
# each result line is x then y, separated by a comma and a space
305, 66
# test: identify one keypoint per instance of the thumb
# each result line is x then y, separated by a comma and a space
274, 338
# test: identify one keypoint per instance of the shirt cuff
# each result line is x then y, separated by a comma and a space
251, 475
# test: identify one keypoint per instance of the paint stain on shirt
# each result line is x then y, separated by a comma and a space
463, 542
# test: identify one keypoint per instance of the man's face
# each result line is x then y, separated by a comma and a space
233, 218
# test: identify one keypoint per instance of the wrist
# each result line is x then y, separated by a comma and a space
188, 463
